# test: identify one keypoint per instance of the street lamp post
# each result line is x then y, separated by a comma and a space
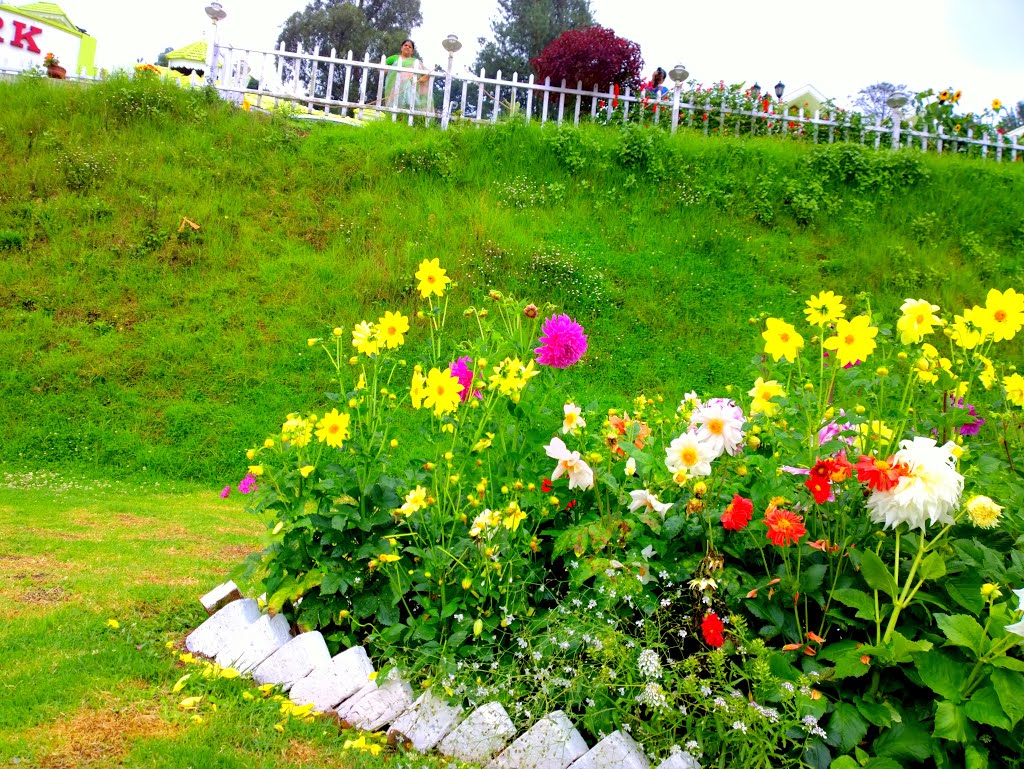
452, 45
896, 102
216, 13
780, 88
678, 74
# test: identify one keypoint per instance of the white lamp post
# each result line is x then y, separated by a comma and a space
452, 45
678, 74
216, 13
896, 102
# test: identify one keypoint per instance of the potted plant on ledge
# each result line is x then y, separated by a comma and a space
53, 68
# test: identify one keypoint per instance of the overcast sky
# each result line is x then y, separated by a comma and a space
838, 47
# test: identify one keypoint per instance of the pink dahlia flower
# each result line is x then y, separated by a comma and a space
462, 369
562, 342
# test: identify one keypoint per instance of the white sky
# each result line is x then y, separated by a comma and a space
838, 47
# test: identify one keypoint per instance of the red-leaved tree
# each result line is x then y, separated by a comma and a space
594, 55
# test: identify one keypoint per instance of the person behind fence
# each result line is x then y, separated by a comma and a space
406, 90
654, 90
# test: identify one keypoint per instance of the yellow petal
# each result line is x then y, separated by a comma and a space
180, 683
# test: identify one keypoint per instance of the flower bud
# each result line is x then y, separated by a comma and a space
478, 627
754, 442
700, 489
311, 342
394, 443
250, 454
859, 409
882, 371
530, 311
467, 583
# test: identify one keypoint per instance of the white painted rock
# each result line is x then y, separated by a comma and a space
378, 707
681, 760
616, 751
423, 726
551, 743
483, 733
220, 597
293, 661
262, 638
224, 628
327, 685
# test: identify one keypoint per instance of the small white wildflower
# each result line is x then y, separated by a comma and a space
649, 664
739, 726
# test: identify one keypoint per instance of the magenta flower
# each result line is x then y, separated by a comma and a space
462, 370
224, 492
968, 428
562, 342
248, 484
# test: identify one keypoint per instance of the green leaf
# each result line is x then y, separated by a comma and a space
673, 525
907, 740
877, 574
876, 712
882, 763
812, 577
984, 707
975, 757
951, 722
941, 673
965, 589
902, 647
331, 583
1008, 663
932, 567
961, 630
817, 755
856, 599
844, 762
1009, 685
846, 727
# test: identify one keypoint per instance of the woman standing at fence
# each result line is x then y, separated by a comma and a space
406, 90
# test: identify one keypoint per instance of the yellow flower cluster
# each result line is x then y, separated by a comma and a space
510, 376
297, 430
388, 332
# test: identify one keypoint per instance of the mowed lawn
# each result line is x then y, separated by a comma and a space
77, 692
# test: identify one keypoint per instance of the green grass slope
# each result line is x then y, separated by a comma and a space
130, 340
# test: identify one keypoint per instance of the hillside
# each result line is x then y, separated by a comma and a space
132, 341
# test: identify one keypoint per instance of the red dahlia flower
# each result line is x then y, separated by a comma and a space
879, 475
784, 527
712, 628
738, 514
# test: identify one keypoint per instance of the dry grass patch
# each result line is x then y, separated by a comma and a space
92, 736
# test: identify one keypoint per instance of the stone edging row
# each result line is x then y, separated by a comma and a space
238, 635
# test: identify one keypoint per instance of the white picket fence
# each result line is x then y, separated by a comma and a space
329, 86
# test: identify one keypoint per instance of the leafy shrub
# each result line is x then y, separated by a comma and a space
571, 148
594, 56
643, 149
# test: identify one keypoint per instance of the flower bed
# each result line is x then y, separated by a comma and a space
808, 570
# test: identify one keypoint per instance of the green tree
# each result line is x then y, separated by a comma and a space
523, 28
161, 59
373, 26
